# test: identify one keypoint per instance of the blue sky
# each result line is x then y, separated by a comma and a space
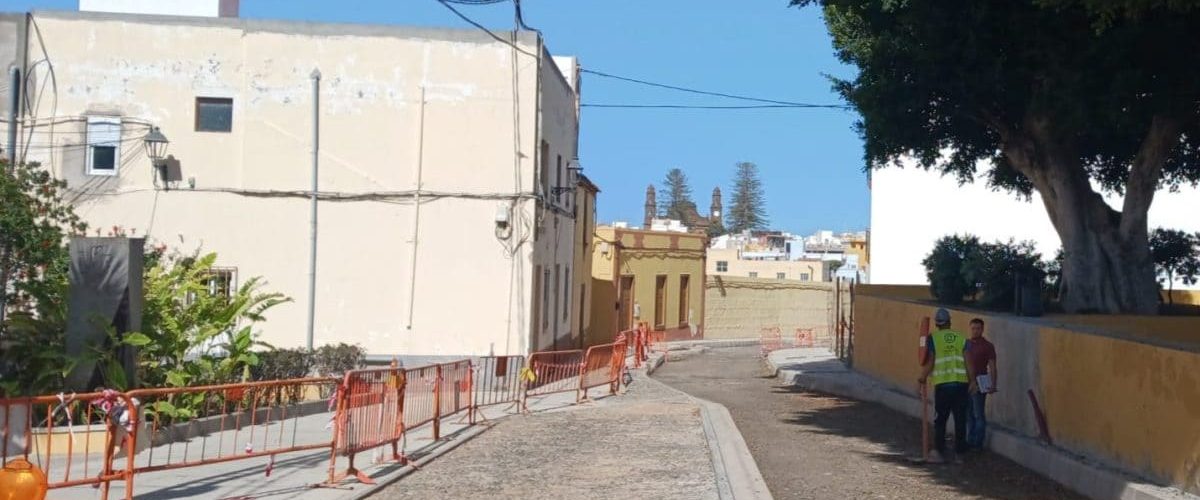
810, 159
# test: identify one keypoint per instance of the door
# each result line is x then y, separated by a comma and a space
625, 307
685, 292
660, 303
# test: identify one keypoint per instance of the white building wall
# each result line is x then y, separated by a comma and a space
200, 8
394, 102
912, 208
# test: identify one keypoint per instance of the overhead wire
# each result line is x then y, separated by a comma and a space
772, 103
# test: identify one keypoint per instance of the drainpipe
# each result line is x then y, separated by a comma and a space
14, 103
412, 273
312, 254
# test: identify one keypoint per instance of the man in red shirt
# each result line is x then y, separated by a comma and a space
981, 371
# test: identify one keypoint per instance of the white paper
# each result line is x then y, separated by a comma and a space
984, 382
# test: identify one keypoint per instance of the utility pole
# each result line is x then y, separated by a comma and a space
312, 254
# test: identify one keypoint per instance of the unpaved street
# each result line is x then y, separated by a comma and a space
811, 445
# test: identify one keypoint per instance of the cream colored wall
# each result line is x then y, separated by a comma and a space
472, 292
767, 269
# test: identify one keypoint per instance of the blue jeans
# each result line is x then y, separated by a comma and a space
976, 420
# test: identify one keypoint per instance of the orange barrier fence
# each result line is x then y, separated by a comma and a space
421, 403
497, 380
370, 413
804, 337
94, 425
770, 339
553, 371
454, 393
602, 365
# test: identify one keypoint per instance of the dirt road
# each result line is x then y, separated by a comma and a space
810, 445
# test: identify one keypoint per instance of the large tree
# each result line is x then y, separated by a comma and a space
1069, 98
748, 209
677, 196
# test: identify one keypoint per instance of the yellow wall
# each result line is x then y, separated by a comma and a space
742, 307
1106, 394
645, 255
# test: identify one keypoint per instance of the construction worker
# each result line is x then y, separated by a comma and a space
946, 369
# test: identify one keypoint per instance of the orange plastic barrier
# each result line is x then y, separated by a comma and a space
770, 339
804, 337
30, 424
553, 371
602, 366
370, 413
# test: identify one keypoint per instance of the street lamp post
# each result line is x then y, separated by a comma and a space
156, 149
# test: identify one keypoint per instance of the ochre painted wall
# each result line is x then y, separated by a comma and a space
1130, 401
741, 307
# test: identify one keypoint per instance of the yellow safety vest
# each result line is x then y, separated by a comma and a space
948, 364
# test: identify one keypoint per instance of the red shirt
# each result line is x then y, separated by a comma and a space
979, 352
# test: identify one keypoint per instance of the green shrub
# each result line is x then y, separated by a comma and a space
948, 268
337, 359
282, 364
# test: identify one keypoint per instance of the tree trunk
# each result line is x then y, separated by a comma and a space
1107, 266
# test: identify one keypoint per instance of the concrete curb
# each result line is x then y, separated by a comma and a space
738, 477
737, 474
1085, 478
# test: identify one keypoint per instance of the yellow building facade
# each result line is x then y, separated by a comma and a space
651, 276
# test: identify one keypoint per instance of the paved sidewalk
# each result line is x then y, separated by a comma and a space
294, 476
647, 443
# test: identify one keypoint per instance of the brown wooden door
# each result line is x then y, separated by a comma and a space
685, 293
626, 304
660, 303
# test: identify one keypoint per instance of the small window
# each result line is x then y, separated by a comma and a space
566, 294
722, 266
780, 276
803, 276
214, 114
753, 274
222, 281
104, 145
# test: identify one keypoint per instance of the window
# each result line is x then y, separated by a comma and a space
780, 276
545, 299
544, 171
660, 303
214, 114
753, 274
220, 281
561, 180
803, 276
722, 266
557, 270
103, 145
566, 294
685, 292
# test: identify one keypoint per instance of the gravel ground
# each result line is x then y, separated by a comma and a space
811, 445
647, 443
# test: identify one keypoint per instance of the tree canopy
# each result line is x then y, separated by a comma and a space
1050, 95
677, 199
748, 208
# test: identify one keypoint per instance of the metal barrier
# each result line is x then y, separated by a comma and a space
99, 420
454, 393
770, 339
370, 413
553, 371
221, 423
600, 367
497, 380
421, 404
656, 341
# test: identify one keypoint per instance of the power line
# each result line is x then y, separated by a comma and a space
709, 93
446, 4
691, 106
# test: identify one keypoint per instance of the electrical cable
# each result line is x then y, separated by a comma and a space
709, 93
446, 4
690, 106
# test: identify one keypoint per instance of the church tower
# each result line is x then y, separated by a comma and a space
651, 207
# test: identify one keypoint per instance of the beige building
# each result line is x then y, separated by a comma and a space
446, 212
656, 277
729, 262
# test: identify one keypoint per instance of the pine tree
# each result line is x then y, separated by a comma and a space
748, 210
677, 196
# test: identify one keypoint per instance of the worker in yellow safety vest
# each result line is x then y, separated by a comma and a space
945, 368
